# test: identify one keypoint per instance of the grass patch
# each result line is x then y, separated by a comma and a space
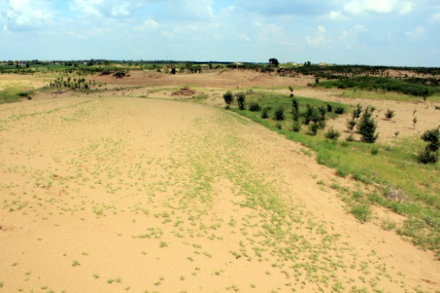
387, 166
12, 95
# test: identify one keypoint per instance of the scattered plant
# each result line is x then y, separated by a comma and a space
389, 114
339, 110
229, 98
431, 152
374, 151
254, 107
265, 113
241, 98
367, 126
351, 124
332, 134
279, 114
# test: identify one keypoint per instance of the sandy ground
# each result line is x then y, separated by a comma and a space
119, 194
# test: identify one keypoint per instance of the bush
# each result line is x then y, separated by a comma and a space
310, 114
361, 212
329, 108
339, 110
332, 134
351, 124
431, 152
357, 112
296, 126
389, 114
241, 98
313, 128
374, 151
367, 126
279, 114
265, 113
229, 98
254, 107
295, 110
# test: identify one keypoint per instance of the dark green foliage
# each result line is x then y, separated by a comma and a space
329, 108
389, 114
254, 107
291, 89
241, 98
332, 134
431, 152
357, 112
374, 151
367, 126
351, 124
384, 83
279, 114
313, 128
296, 126
339, 110
265, 113
295, 110
229, 98
310, 114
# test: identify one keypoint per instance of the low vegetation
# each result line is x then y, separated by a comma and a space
381, 166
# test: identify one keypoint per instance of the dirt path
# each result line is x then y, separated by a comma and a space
115, 194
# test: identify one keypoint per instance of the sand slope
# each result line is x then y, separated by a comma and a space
115, 194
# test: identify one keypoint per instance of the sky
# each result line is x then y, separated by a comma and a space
372, 32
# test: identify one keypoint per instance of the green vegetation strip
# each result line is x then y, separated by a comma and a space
408, 87
13, 94
386, 167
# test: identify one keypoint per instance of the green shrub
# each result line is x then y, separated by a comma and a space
265, 113
241, 98
332, 134
367, 126
329, 108
361, 212
296, 126
374, 151
313, 128
229, 98
431, 152
339, 110
389, 114
255, 107
351, 124
279, 114
357, 112
295, 110
350, 138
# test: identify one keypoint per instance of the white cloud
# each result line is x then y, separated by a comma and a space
349, 37
417, 32
244, 37
336, 15
379, 6
20, 14
318, 38
147, 25
436, 17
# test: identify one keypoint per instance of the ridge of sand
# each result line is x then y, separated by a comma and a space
115, 194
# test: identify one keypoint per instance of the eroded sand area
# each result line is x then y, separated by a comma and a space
114, 194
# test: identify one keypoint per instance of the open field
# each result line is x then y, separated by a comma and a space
133, 189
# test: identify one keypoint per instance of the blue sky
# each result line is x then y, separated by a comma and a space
375, 32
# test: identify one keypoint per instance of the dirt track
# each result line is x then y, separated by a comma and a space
107, 194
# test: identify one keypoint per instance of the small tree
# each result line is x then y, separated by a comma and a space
431, 152
241, 98
229, 98
265, 113
274, 62
389, 114
279, 114
367, 126
295, 110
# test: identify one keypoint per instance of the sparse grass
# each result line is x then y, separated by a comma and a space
13, 94
396, 165
114, 280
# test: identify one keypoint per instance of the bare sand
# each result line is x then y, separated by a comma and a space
117, 193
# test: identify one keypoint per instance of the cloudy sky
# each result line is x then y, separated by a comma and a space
382, 32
